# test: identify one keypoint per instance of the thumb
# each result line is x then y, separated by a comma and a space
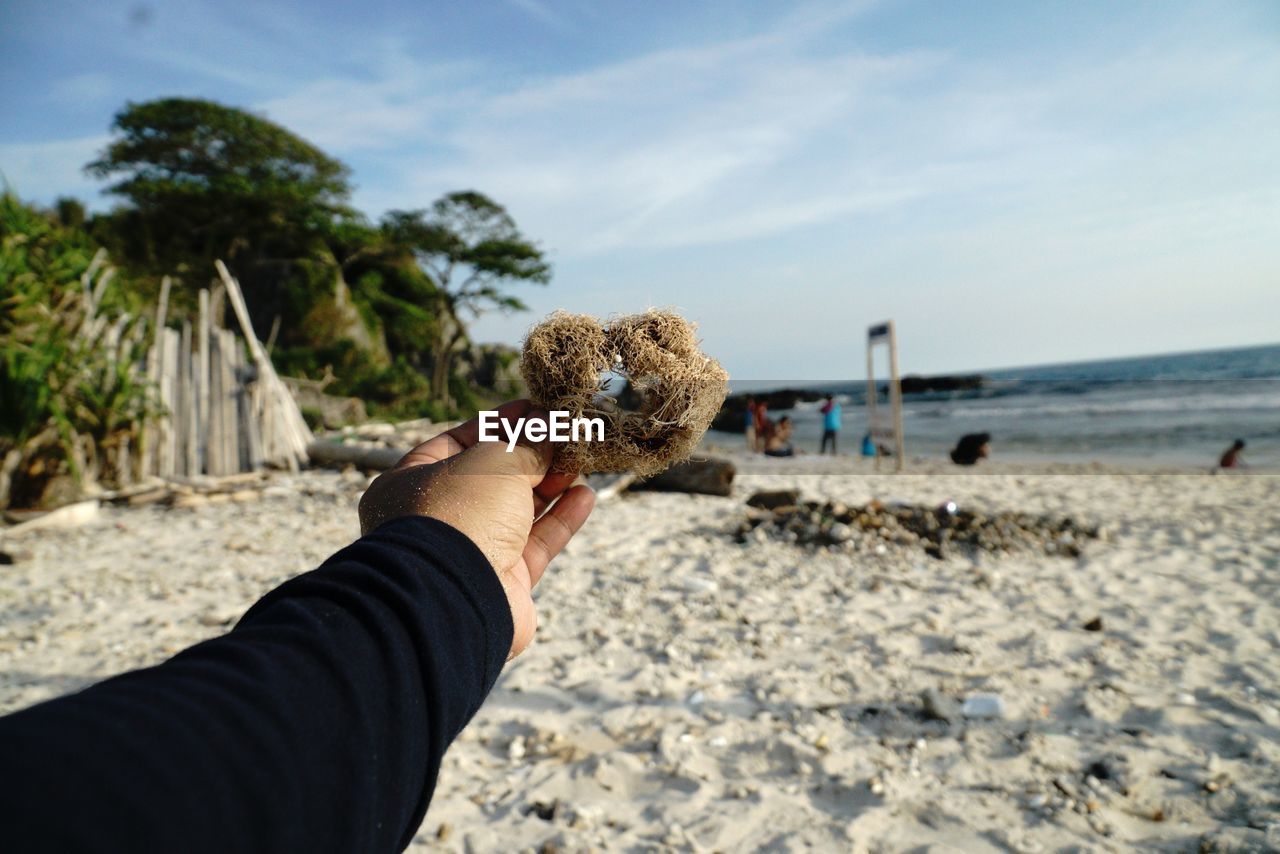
526, 459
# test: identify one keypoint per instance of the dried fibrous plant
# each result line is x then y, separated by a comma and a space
676, 389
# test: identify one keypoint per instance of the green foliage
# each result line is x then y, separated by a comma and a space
384, 306
209, 181
68, 396
202, 181
470, 248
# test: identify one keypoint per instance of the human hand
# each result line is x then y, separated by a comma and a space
497, 499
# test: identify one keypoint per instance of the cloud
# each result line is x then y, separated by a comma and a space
670, 148
540, 11
46, 170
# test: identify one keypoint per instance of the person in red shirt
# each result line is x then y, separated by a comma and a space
1231, 456
763, 424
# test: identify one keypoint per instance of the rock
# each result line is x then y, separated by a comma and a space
218, 618
1094, 625
1235, 840
444, 831
694, 584
774, 498
1099, 770
983, 706
938, 706
545, 811
839, 532
8, 557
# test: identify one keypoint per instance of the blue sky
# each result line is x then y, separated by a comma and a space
1013, 183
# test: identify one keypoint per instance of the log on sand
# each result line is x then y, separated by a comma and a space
709, 476
369, 458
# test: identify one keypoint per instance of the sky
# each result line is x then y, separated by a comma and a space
1013, 183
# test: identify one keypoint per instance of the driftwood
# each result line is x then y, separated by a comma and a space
67, 516
710, 476
369, 458
609, 486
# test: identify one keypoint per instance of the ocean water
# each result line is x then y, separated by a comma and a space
1179, 409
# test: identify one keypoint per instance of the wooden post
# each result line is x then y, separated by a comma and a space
895, 399
213, 438
162, 305
166, 444
872, 395
883, 333
202, 383
187, 400
230, 437
281, 419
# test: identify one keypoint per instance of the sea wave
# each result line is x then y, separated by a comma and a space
1252, 402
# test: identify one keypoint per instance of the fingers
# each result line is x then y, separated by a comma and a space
454, 441
524, 619
549, 490
526, 460
557, 526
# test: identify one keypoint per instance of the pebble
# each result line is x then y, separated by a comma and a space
700, 585
780, 515
983, 706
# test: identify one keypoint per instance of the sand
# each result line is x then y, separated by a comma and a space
691, 693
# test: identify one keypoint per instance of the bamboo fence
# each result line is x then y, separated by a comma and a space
222, 412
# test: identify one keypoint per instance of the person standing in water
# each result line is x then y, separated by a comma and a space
762, 424
1230, 458
830, 424
751, 424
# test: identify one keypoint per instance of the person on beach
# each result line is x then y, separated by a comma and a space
971, 448
778, 444
868, 446
763, 425
751, 424
319, 722
1231, 458
830, 424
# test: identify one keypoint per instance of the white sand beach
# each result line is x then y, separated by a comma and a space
687, 692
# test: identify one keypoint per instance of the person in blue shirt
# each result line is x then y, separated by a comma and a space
830, 424
868, 446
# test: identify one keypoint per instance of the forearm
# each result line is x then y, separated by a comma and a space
318, 723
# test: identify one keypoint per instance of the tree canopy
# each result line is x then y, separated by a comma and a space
382, 305
471, 249
207, 181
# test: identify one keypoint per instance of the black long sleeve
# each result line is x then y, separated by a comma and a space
317, 724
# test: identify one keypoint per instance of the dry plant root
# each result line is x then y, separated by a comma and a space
679, 388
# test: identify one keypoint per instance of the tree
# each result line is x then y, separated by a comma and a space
206, 181
471, 249
70, 401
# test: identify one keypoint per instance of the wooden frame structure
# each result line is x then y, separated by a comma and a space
220, 413
884, 334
